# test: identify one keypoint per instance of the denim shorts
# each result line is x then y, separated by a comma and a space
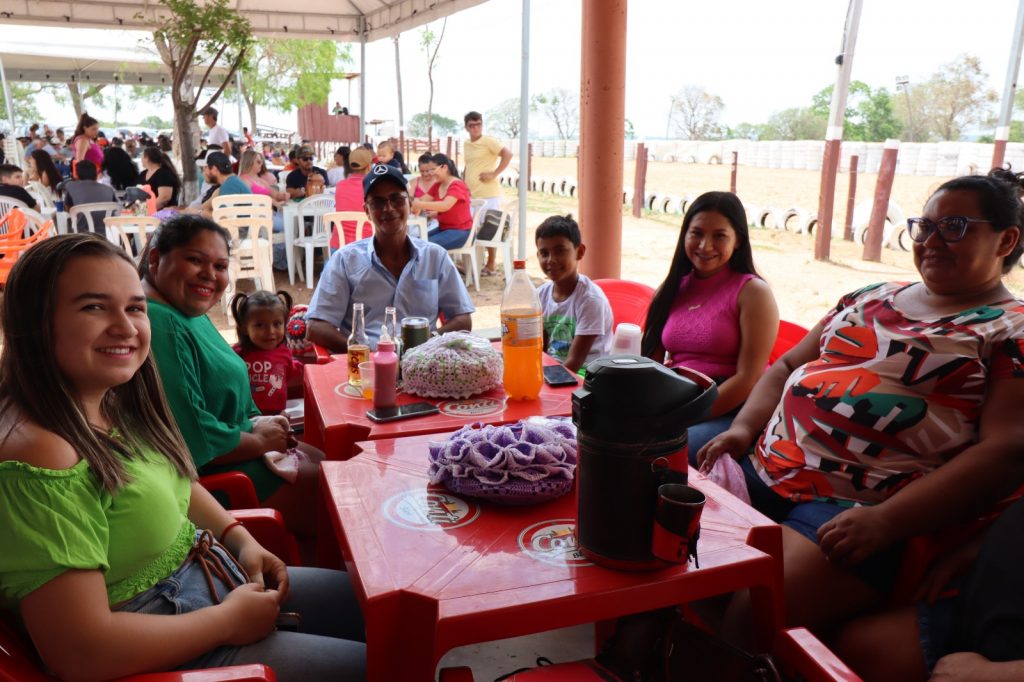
185, 591
878, 571
936, 623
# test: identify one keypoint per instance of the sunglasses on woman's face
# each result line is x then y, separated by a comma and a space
950, 229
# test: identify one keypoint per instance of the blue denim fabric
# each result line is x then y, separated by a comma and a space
323, 598
448, 239
877, 572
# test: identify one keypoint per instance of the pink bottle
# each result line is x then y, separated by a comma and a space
385, 372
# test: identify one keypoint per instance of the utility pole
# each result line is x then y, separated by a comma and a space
1010, 87
903, 83
834, 132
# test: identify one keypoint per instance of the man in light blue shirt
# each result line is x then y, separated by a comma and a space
390, 268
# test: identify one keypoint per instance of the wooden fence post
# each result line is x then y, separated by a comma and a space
851, 197
880, 208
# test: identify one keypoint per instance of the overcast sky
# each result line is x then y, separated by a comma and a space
759, 57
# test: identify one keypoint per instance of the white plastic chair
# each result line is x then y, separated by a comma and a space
7, 203
314, 207
252, 256
256, 209
95, 215
508, 212
417, 226
334, 220
131, 232
468, 250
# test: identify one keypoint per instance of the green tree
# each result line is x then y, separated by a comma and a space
287, 74
562, 107
745, 131
431, 44
794, 124
951, 100
629, 132
504, 118
192, 36
78, 96
695, 114
23, 95
869, 116
419, 125
154, 122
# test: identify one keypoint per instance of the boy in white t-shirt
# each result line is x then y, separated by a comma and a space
577, 316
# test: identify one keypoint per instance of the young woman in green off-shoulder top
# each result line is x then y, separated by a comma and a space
103, 525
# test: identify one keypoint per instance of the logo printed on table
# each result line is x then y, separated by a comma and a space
429, 510
553, 542
472, 407
347, 390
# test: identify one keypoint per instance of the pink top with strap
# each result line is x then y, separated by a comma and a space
702, 331
93, 154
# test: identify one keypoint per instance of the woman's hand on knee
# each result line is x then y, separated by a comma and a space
734, 442
250, 614
855, 534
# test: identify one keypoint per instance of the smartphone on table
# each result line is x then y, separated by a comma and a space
558, 375
390, 414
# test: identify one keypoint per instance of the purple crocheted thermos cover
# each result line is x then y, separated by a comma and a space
523, 463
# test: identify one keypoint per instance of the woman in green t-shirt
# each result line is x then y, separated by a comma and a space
99, 506
184, 274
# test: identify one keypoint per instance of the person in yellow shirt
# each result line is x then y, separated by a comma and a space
486, 158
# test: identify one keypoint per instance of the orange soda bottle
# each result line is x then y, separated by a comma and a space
522, 336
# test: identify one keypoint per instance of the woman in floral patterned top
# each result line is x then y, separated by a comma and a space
899, 412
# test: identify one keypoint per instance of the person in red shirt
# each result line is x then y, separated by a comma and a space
348, 196
449, 198
261, 318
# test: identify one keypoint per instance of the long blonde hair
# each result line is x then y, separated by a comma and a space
32, 383
251, 162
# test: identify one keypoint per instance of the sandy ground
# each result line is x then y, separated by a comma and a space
804, 288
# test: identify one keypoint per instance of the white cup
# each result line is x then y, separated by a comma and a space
627, 339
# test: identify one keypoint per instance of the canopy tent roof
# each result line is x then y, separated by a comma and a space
321, 19
95, 64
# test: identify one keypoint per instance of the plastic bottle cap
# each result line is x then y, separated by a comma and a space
518, 265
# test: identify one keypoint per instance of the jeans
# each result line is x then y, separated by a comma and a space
280, 256
698, 435
448, 239
328, 645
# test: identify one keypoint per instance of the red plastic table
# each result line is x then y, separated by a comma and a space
434, 571
336, 420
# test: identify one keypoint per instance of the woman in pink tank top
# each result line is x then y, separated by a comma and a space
713, 313
84, 142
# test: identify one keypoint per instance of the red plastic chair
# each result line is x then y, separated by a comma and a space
235, 486
19, 663
323, 355
800, 655
923, 550
267, 526
629, 300
790, 334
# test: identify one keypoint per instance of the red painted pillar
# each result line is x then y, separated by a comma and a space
639, 180
851, 198
602, 120
880, 207
826, 198
732, 174
999, 153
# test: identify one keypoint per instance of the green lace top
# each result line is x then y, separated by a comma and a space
55, 520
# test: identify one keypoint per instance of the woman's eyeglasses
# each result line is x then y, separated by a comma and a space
951, 229
397, 200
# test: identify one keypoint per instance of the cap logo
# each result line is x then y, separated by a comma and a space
380, 169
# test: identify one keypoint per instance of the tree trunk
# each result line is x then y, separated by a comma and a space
186, 139
76, 98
